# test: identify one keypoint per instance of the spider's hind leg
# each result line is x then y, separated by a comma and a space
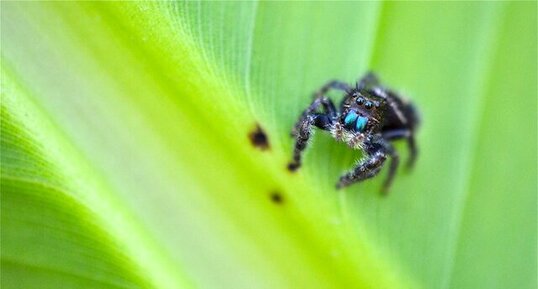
393, 166
368, 81
413, 117
409, 136
333, 84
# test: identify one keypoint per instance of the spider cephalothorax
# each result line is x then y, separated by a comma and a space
369, 118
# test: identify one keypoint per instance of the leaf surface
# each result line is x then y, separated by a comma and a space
126, 160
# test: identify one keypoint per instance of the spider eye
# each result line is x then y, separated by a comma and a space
361, 123
350, 118
360, 101
368, 105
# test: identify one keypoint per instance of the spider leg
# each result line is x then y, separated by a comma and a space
366, 169
303, 128
304, 132
414, 121
396, 134
413, 151
333, 84
410, 138
393, 166
320, 99
377, 154
328, 107
368, 81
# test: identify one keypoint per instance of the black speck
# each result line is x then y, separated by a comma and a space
259, 139
276, 197
292, 167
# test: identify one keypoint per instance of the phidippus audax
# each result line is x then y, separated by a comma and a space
369, 118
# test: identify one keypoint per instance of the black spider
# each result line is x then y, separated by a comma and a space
369, 118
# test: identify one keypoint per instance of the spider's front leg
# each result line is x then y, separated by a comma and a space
303, 129
321, 100
377, 153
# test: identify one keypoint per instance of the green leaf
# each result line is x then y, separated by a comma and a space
126, 159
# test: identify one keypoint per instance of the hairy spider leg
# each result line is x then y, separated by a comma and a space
393, 166
414, 121
366, 169
410, 138
377, 153
367, 81
413, 151
333, 84
302, 130
328, 108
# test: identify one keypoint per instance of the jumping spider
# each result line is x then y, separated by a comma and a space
369, 118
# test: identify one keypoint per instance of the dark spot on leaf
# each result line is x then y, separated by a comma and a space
292, 167
276, 197
259, 139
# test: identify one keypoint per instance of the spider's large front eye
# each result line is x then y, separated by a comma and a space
361, 123
368, 105
360, 101
350, 118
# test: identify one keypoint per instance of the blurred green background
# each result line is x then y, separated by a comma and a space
126, 161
